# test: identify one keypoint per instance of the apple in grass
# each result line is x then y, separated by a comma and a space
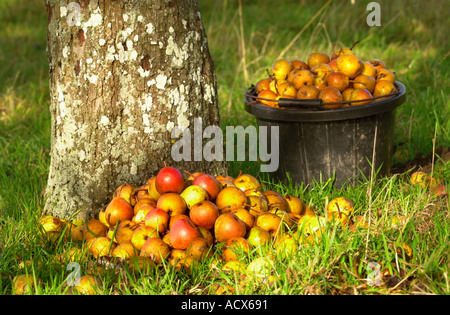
118, 210
142, 234
125, 231
182, 233
124, 251
228, 225
156, 249
235, 247
143, 203
94, 228
101, 246
198, 249
295, 205
257, 236
341, 205
157, 219
204, 213
257, 205
169, 179
269, 222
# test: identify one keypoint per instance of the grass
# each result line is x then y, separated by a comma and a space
245, 38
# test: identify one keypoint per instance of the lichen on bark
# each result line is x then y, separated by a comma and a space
121, 79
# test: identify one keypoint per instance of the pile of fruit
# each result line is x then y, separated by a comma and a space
178, 221
341, 80
181, 222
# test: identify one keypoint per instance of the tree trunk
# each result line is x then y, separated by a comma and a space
123, 74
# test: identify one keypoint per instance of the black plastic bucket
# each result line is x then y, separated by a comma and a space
340, 143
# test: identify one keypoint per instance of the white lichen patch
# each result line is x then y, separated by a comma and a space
104, 120
62, 11
101, 42
125, 17
95, 20
82, 155
161, 81
133, 169
66, 52
149, 28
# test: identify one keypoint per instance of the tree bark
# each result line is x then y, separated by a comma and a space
123, 74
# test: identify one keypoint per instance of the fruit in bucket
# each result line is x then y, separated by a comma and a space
344, 70
281, 68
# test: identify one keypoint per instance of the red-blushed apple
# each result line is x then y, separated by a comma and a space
155, 249
118, 210
169, 179
235, 247
228, 225
182, 233
204, 213
208, 183
157, 219
177, 217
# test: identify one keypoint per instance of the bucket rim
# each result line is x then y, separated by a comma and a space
306, 115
